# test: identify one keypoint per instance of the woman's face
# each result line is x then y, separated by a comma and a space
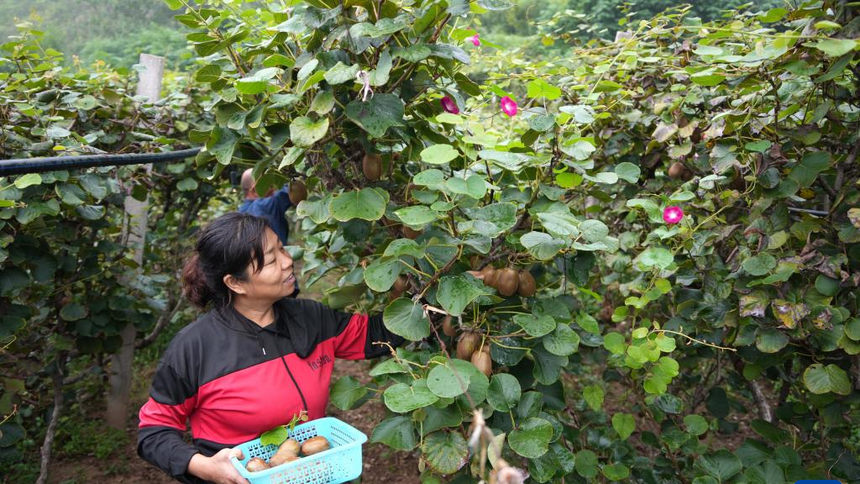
275, 279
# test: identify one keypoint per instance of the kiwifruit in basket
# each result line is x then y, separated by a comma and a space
256, 464
527, 286
290, 448
467, 345
298, 192
447, 327
507, 281
315, 445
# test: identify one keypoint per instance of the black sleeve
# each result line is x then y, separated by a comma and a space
163, 421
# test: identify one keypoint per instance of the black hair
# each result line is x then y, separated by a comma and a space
226, 246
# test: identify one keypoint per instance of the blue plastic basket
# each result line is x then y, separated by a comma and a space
340, 463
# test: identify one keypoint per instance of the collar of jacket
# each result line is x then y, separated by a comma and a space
289, 322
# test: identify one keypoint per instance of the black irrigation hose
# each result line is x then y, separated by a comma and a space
40, 165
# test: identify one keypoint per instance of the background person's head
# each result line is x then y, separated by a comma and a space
238, 259
249, 186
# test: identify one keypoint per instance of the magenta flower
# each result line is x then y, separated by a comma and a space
476, 40
449, 105
509, 106
672, 215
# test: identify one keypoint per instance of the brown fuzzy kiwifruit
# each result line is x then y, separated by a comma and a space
290, 448
677, 170
315, 445
507, 281
447, 327
527, 285
467, 345
256, 464
409, 233
400, 284
483, 362
371, 166
490, 274
298, 192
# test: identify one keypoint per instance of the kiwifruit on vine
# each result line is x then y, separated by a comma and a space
507, 281
410, 233
371, 166
679, 171
467, 345
482, 361
527, 285
489, 273
447, 327
398, 288
298, 192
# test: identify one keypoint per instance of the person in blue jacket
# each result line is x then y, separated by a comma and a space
272, 207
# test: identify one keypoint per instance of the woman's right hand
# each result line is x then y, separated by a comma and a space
218, 468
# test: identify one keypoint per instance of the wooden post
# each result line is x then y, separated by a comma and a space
136, 210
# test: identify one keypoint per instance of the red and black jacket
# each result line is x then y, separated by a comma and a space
233, 380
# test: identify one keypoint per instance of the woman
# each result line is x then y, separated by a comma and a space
250, 363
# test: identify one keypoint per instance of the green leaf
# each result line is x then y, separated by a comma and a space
539, 88
443, 382
624, 424
439, 154
381, 274
417, 215
586, 463
346, 391
614, 343
222, 142
593, 395
587, 322
504, 392
773, 15
820, 379
27, 180
581, 114
403, 398
542, 246
580, 151
276, 436
208, 73
560, 225
771, 340
656, 257
404, 247
628, 172
445, 452
531, 439
187, 185
835, 47
616, 472
563, 341
594, 230
695, 424
406, 318
474, 186
534, 325
395, 432
377, 114
365, 204
721, 465
456, 292
341, 73
759, 265
305, 132
73, 312
412, 53
323, 102
256, 83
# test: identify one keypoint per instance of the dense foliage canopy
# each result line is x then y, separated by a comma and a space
683, 199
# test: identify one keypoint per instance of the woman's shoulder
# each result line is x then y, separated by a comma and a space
194, 335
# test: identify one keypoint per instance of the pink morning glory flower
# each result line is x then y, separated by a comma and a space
475, 39
509, 106
672, 215
449, 105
